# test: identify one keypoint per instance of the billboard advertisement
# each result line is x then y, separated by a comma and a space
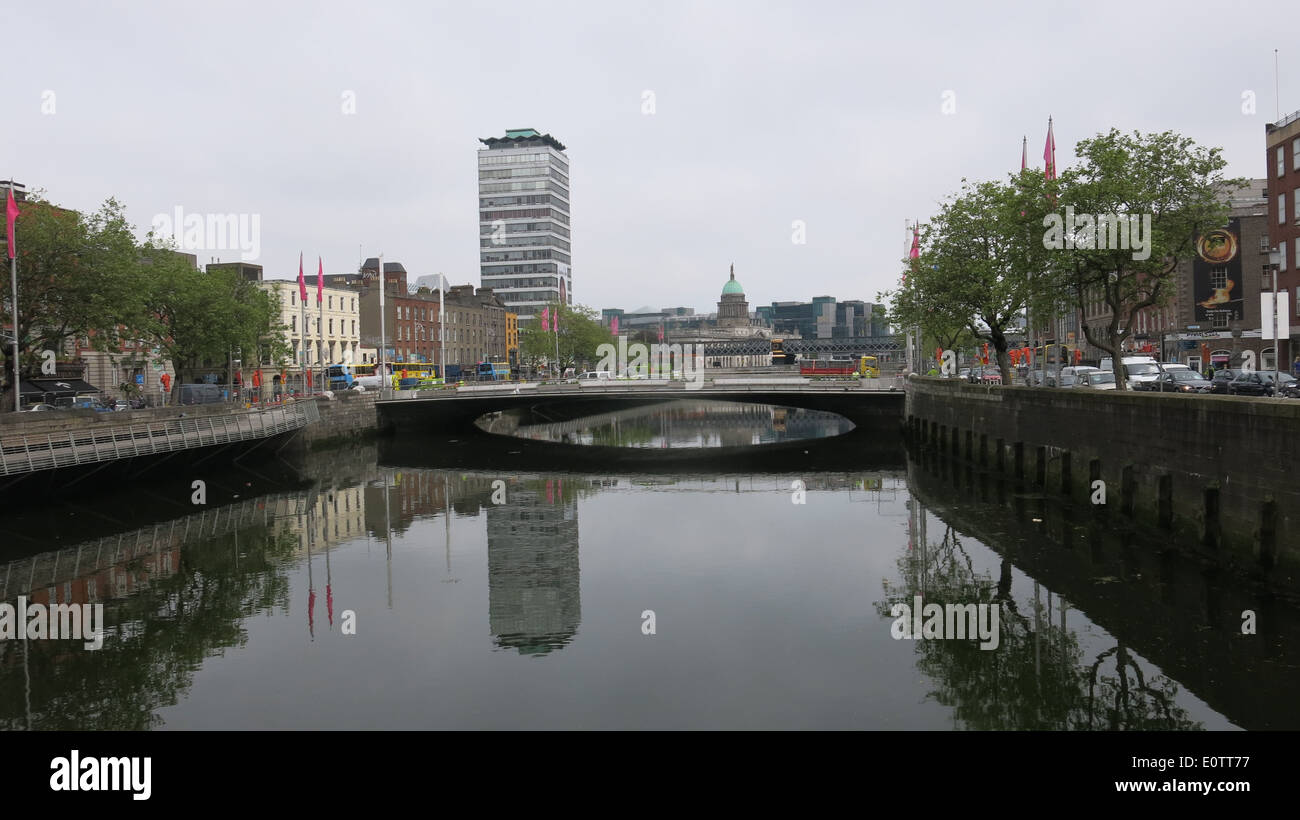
1216, 276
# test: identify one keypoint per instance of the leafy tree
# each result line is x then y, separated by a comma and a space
580, 334
977, 258
76, 279
1163, 177
197, 318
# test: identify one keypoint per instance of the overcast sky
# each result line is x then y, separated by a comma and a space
764, 114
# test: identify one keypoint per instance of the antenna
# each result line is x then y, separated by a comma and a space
1277, 106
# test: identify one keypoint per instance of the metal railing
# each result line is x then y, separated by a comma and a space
30, 452
686, 389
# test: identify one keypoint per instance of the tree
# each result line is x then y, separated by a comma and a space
76, 278
1145, 198
976, 260
197, 318
580, 334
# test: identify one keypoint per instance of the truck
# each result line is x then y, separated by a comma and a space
493, 371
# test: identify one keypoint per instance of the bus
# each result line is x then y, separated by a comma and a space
414, 375
493, 371
779, 356
340, 376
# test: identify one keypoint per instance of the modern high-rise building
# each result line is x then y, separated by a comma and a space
523, 200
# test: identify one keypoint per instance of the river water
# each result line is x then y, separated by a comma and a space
400, 586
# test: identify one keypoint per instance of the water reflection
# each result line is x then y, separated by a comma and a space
468, 589
675, 424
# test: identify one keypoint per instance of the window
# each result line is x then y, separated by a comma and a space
329, 300
293, 299
331, 327
1297, 301
294, 324
1295, 154
1219, 278
1281, 160
354, 327
1220, 320
1281, 209
1281, 246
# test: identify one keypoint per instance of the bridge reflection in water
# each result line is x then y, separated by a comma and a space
474, 608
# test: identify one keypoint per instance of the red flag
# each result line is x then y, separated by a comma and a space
11, 218
916, 244
1049, 152
302, 283
320, 280
309, 378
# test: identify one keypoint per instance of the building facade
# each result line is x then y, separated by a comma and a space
524, 238
1282, 140
328, 333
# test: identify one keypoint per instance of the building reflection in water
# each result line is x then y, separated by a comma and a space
534, 604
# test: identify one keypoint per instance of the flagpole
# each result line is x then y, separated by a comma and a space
13, 283
555, 323
442, 328
320, 321
302, 326
383, 333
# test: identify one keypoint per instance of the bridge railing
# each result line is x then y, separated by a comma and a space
30, 452
883, 384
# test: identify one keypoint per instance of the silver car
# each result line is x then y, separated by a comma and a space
1099, 380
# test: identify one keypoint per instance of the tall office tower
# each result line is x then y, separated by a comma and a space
523, 201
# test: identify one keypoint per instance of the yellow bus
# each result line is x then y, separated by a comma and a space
414, 375
869, 367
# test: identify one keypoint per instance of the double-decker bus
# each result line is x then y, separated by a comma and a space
414, 375
779, 356
493, 371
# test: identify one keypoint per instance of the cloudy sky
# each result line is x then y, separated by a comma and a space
764, 114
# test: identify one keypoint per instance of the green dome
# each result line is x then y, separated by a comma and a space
732, 286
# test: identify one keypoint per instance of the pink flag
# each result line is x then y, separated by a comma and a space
555, 320
613, 325
11, 218
546, 318
302, 283
661, 333
1049, 152
320, 280
916, 244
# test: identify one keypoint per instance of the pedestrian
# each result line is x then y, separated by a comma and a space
1295, 367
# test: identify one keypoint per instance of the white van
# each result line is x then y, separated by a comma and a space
1138, 368
595, 376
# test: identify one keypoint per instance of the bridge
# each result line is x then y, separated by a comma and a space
811, 348
872, 403
35, 445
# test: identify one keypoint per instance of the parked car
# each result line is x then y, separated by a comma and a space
1180, 381
200, 394
988, 374
39, 408
1098, 380
1223, 378
121, 404
1257, 383
1070, 375
593, 376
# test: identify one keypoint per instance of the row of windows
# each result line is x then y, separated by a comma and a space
504, 201
542, 267
539, 169
522, 173
527, 282
454, 317
1295, 157
521, 256
498, 226
539, 185
532, 296
329, 301
1281, 246
487, 158
293, 325
526, 213
505, 242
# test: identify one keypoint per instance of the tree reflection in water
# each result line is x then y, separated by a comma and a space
1036, 677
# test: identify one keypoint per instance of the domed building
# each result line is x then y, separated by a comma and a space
733, 310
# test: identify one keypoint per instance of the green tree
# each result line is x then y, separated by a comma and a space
76, 279
197, 318
977, 259
580, 334
1164, 178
